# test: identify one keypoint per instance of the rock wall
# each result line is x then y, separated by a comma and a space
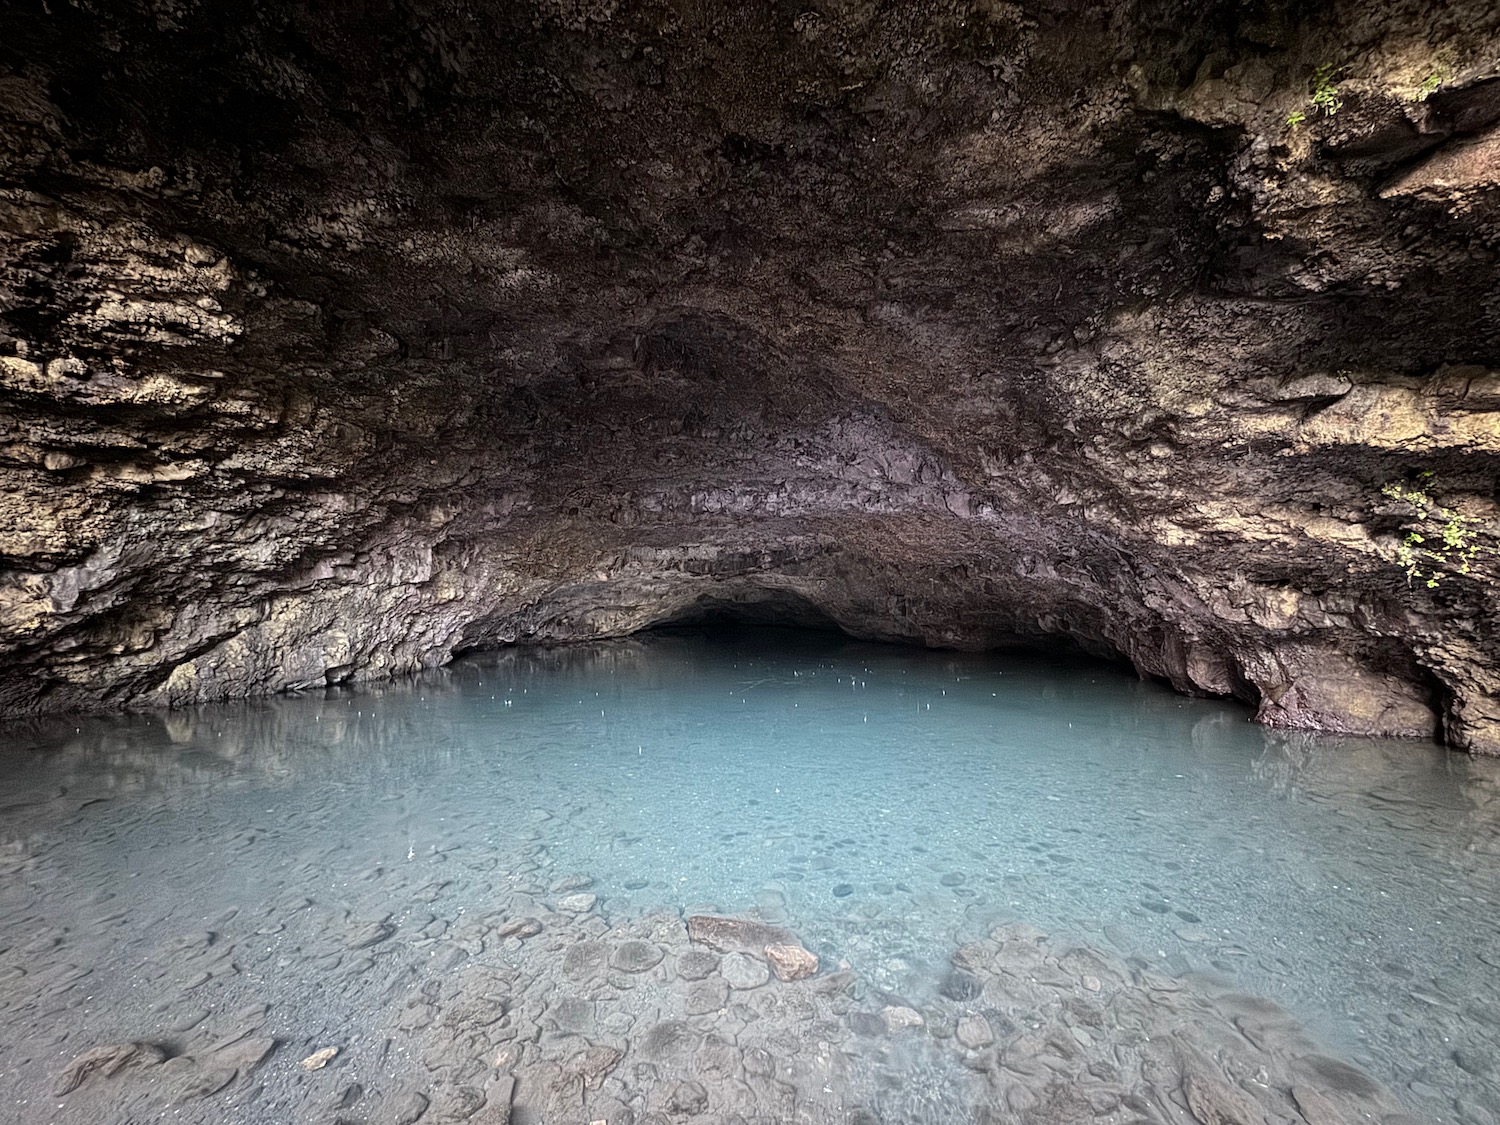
339, 338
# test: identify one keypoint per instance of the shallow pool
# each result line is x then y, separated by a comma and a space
887, 805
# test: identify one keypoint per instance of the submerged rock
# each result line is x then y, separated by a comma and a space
246, 1054
736, 935
695, 964
520, 928
364, 935
636, 957
320, 1058
106, 1062
974, 1032
741, 971
791, 962
202, 1082
408, 1108
898, 1018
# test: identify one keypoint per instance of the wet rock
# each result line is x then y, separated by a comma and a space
839, 986
408, 1108
366, 934
107, 1062
498, 1096
475, 1011
203, 1082
1333, 1075
842, 890
770, 904
1315, 1108
736, 935
585, 959
577, 904
960, 986
453, 1103
520, 928
741, 971
594, 1064
186, 1021
1478, 1062
974, 1032
245, 1055
348, 1096
759, 1062
898, 1018
574, 1014
790, 961
670, 1043
695, 964
638, 957
320, 1058
717, 1058
706, 996
687, 1099
1212, 1102
572, 883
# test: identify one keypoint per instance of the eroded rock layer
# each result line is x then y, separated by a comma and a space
338, 338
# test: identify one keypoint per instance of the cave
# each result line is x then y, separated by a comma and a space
766, 608
386, 383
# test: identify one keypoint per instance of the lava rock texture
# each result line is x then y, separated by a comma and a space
337, 338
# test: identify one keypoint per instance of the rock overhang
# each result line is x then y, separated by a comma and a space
360, 342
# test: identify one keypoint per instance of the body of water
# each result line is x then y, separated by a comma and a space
887, 805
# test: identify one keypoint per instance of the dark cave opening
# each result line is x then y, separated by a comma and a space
756, 607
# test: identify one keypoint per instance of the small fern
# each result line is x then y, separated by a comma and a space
1324, 97
1450, 545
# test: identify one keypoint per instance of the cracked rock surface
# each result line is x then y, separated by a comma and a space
336, 339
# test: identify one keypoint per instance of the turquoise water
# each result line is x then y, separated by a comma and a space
886, 803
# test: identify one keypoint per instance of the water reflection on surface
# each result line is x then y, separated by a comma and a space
886, 803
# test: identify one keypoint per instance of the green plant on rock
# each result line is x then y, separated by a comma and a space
1430, 85
1444, 540
1325, 96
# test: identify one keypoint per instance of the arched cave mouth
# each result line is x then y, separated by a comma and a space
762, 608
774, 620
334, 346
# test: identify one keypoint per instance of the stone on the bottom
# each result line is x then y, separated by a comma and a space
791, 962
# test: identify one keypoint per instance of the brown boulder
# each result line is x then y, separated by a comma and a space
789, 961
736, 935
